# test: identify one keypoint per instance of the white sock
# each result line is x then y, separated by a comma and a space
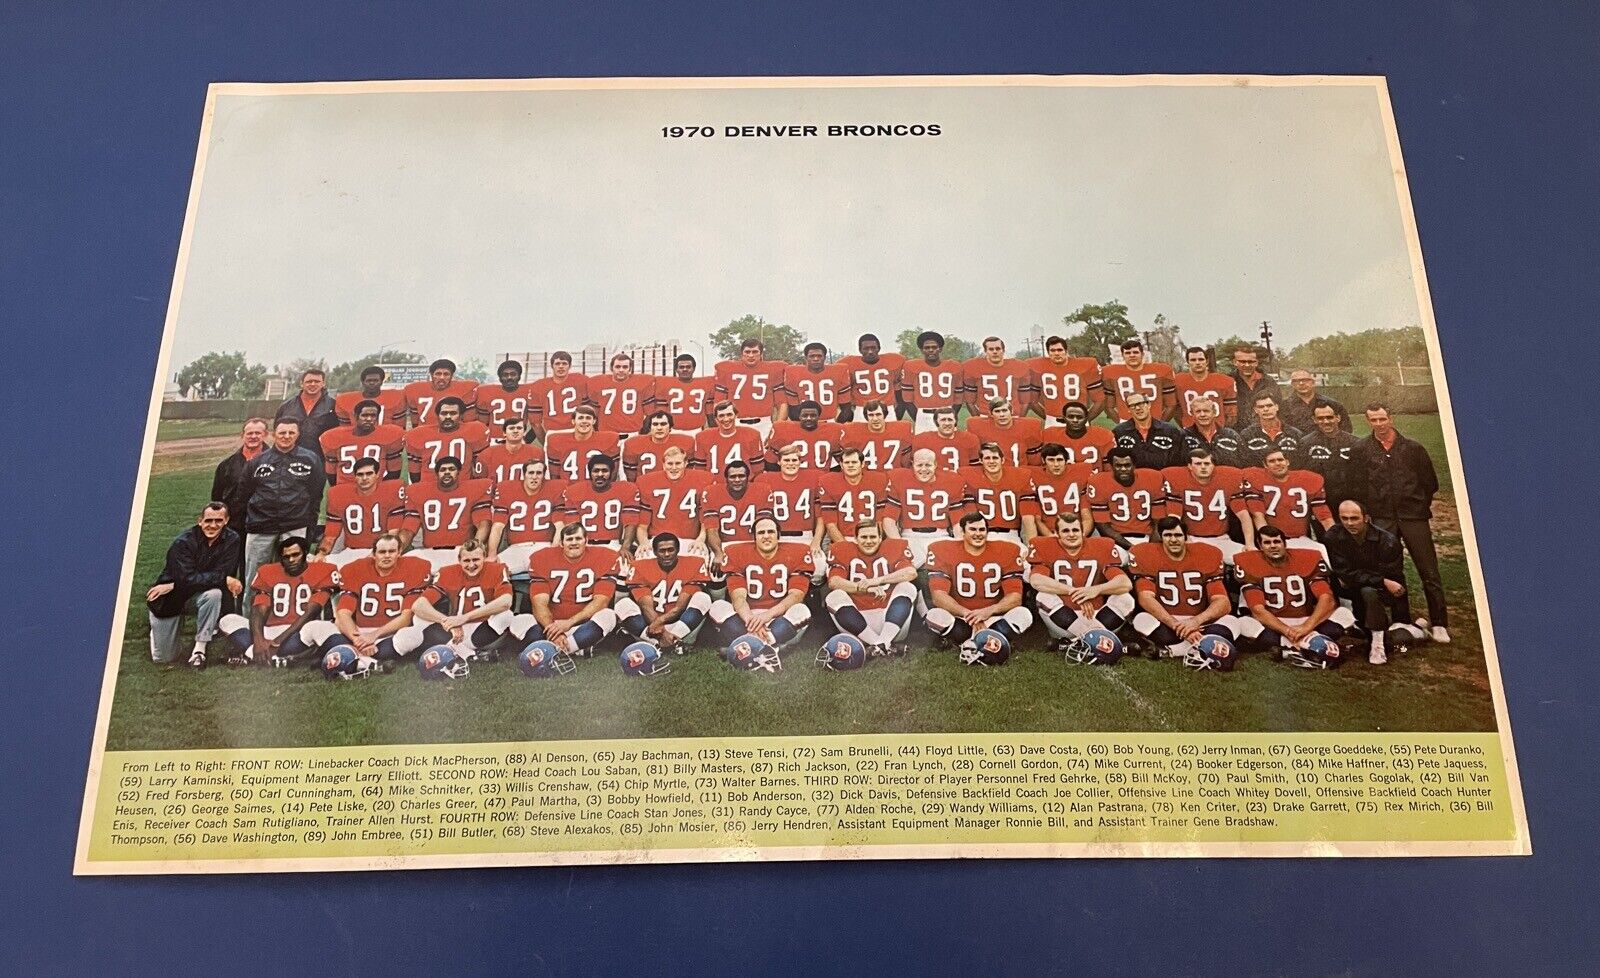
199, 647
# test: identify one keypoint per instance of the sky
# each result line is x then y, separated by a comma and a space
471, 224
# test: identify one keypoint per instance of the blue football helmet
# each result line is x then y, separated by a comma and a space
844, 651
987, 648
1321, 652
644, 659
1096, 647
1211, 652
750, 652
542, 660
442, 662
342, 662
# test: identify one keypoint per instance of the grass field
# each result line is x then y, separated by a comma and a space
1442, 688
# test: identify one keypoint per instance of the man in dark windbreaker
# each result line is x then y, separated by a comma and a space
200, 566
284, 485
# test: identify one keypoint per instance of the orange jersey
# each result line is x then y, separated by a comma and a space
713, 449
954, 452
552, 400
362, 519
846, 505
1154, 380
937, 385
447, 517
1291, 505
845, 560
984, 380
734, 519
755, 390
391, 406
1129, 509
496, 405
505, 462
830, 387
1290, 589
572, 584
529, 518
794, 504
427, 444
421, 396
1183, 587
641, 454
881, 450
1019, 443
661, 589
467, 594
1097, 561
1204, 509
342, 448
930, 505
602, 513
975, 580
1057, 494
1002, 502
1217, 388
820, 443
567, 457
767, 580
287, 598
672, 505
1092, 447
1055, 384
877, 381
375, 599
623, 403
688, 401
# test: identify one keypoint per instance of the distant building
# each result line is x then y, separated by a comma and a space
276, 387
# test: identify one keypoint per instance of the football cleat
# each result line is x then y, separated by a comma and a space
342, 662
281, 662
442, 662
542, 660
749, 652
987, 648
197, 659
644, 659
844, 652
1096, 647
1211, 652
1321, 652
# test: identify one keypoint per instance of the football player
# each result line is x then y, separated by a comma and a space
791, 499
999, 494
1058, 379
471, 600
1200, 383
753, 385
1293, 501
929, 503
666, 601
505, 460
607, 510
871, 593
447, 511
622, 396
500, 402
1155, 444
1204, 494
391, 401
423, 396
373, 611
1126, 500
729, 441
885, 445
567, 453
767, 584
818, 439
449, 436
996, 377
931, 383
874, 375
952, 447
814, 381
1083, 442
729, 511
1287, 592
1206, 432
1180, 590
1079, 581
1057, 488
572, 586
1019, 438
287, 611
359, 510
527, 514
687, 398
367, 438
670, 500
976, 583
1268, 433
552, 399
642, 453
1155, 380
853, 494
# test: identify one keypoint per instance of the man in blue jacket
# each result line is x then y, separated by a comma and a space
200, 566
284, 487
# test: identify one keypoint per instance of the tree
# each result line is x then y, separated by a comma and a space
1164, 342
955, 348
300, 365
1222, 351
1368, 348
782, 342
1099, 328
347, 376
218, 375
473, 368
252, 385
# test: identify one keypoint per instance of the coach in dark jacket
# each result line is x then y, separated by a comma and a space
1400, 483
1222, 441
1327, 450
200, 566
1155, 444
284, 485
1369, 570
312, 409
228, 482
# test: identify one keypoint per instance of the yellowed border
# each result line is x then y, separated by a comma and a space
1520, 845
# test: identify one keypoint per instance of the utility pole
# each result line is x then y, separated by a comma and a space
1266, 338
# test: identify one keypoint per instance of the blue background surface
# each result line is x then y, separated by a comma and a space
1497, 110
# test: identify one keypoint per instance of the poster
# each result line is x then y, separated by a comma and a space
941, 317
